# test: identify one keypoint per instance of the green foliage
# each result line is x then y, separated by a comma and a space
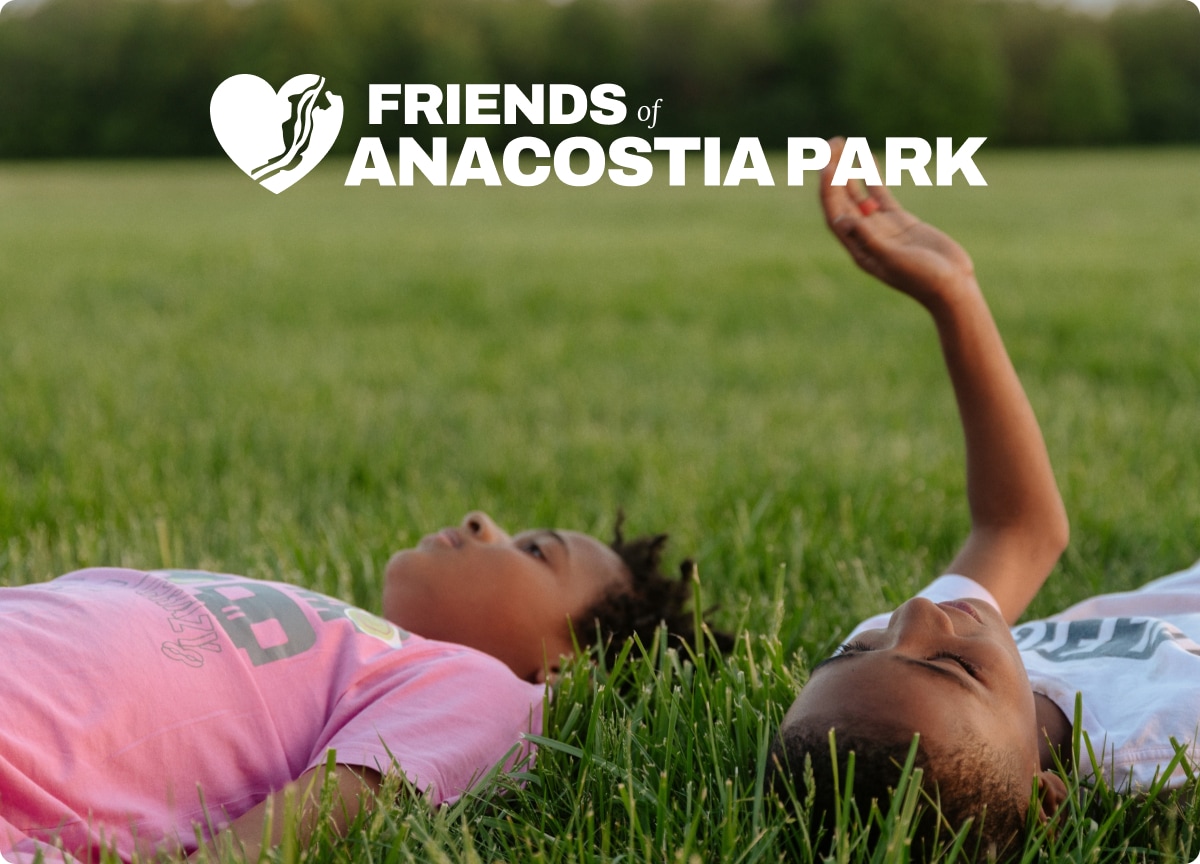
133, 77
1160, 66
924, 69
1086, 101
1066, 85
196, 372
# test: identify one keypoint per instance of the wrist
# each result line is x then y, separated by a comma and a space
949, 297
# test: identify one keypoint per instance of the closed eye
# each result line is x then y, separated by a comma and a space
856, 647
968, 667
850, 648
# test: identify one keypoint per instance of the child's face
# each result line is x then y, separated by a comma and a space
949, 671
511, 597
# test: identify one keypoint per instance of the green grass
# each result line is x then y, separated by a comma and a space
198, 373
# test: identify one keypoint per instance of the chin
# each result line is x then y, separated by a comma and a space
398, 565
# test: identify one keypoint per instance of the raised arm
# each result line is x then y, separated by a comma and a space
1018, 523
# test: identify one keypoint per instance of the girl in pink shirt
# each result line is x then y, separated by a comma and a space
135, 706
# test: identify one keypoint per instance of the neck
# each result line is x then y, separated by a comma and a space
1054, 733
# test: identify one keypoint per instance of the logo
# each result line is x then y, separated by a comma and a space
276, 138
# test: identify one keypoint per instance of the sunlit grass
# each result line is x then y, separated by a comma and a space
196, 372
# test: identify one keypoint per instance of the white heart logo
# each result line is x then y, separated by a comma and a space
276, 138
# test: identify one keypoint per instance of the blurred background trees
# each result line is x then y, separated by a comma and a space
133, 77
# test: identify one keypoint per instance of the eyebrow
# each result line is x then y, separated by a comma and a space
911, 661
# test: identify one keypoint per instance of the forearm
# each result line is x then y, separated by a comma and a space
1018, 522
295, 808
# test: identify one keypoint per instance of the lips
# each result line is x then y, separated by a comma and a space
962, 606
447, 537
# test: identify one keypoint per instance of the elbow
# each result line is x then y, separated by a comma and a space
1037, 539
1063, 531
1053, 534
1060, 530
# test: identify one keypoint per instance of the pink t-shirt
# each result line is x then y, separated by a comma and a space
134, 705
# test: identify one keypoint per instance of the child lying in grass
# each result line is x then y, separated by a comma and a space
138, 705
993, 708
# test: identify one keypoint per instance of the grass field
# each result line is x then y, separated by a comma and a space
195, 372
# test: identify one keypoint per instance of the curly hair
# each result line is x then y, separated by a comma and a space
969, 781
650, 600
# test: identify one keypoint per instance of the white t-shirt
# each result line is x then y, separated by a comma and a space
1135, 658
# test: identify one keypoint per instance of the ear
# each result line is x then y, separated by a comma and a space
1051, 794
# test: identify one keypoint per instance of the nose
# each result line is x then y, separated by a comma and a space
919, 619
481, 527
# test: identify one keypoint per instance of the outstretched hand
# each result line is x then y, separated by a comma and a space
890, 243
1018, 523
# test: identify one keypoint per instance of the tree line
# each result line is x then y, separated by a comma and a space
133, 77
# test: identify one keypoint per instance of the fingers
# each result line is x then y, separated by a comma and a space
836, 201
845, 214
883, 199
850, 200
860, 216
856, 237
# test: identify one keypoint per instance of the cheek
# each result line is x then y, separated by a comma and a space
1011, 682
520, 620
490, 602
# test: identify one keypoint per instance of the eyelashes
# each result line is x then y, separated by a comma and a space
969, 667
856, 647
